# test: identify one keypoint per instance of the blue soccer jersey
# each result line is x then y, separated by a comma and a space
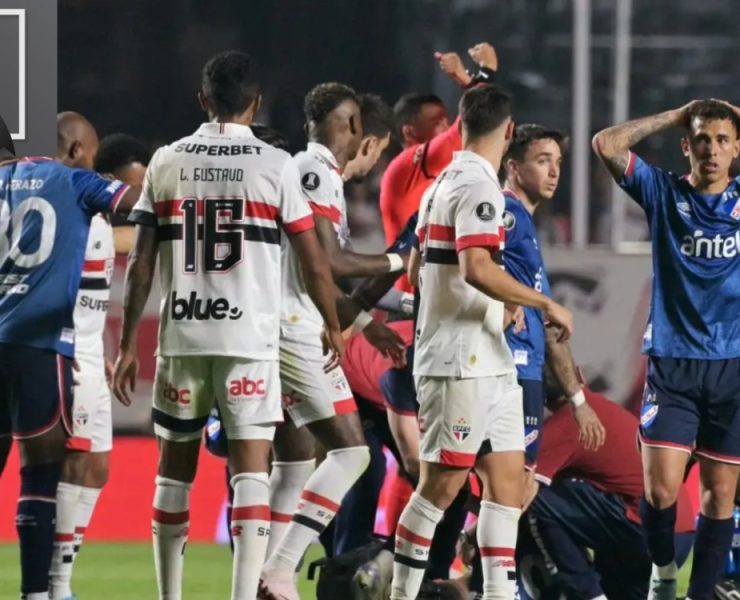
45, 212
696, 264
523, 261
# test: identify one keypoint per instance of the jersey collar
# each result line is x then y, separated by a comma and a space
324, 153
467, 155
227, 129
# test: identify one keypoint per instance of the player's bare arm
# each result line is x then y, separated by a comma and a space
123, 238
345, 263
368, 294
479, 270
483, 54
139, 275
321, 290
612, 145
127, 201
414, 266
560, 360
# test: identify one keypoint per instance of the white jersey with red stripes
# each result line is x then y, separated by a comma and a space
219, 199
459, 329
324, 188
92, 299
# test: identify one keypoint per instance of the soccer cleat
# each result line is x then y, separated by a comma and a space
662, 589
372, 580
275, 586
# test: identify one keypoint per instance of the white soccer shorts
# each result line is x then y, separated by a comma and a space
457, 415
92, 425
247, 393
309, 394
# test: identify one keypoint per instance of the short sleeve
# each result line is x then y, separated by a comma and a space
317, 188
96, 194
514, 226
295, 212
478, 217
643, 182
143, 212
407, 238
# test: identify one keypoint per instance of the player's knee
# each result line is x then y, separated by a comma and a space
75, 467
442, 489
718, 497
660, 495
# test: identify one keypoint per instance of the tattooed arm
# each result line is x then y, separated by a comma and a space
612, 145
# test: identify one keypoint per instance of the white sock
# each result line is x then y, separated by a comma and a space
250, 528
670, 571
36, 596
60, 574
497, 532
319, 503
413, 538
170, 526
88, 500
287, 481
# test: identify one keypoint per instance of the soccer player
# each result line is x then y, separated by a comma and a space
587, 498
85, 469
212, 208
419, 118
532, 165
465, 374
692, 393
45, 214
320, 401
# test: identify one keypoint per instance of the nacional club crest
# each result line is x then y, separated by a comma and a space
735, 214
461, 430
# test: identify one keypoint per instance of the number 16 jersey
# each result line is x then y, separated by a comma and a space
219, 199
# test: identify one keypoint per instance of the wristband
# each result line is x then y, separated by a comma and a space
577, 399
362, 320
484, 75
396, 262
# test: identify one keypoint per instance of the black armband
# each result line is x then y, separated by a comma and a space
483, 76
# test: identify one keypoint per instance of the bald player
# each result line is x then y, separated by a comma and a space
85, 470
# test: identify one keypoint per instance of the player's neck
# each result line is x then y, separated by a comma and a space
487, 148
708, 187
529, 203
340, 154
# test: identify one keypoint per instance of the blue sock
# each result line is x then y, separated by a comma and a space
34, 522
658, 524
712, 543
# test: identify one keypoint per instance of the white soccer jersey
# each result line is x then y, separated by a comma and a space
93, 296
218, 199
323, 187
459, 329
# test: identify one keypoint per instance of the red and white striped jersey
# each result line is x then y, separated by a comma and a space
324, 188
93, 296
459, 329
219, 199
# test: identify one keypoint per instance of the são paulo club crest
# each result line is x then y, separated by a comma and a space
461, 430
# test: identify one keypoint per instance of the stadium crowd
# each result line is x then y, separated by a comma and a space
300, 360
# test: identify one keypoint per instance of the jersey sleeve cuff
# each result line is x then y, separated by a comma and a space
142, 217
117, 197
480, 240
630, 165
330, 212
300, 225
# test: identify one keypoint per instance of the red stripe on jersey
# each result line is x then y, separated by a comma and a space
64, 537
330, 212
172, 208
80, 530
260, 210
412, 537
258, 512
479, 240
300, 225
441, 233
315, 498
94, 265
280, 517
252, 208
171, 518
456, 459
421, 234
344, 407
496, 551
117, 197
630, 165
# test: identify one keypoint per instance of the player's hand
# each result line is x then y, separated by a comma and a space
531, 489
452, 65
514, 316
591, 433
484, 55
732, 107
332, 343
561, 316
387, 341
466, 545
124, 376
678, 115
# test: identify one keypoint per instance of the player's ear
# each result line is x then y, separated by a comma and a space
203, 101
408, 133
685, 146
257, 104
509, 135
511, 167
75, 150
368, 145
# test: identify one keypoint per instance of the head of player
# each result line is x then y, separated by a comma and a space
333, 119
230, 88
420, 117
487, 126
270, 136
711, 143
123, 157
77, 141
533, 162
377, 125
